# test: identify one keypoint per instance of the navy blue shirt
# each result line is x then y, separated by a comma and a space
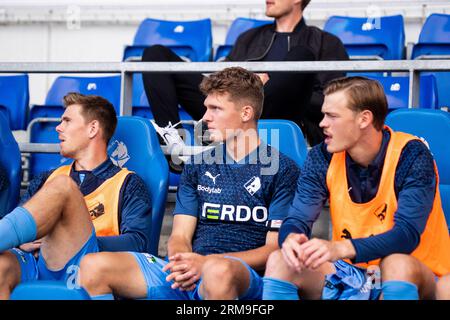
134, 206
414, 185
236, 203
279, 48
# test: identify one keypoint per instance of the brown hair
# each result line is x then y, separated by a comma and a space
305, 3
243, 86
95, 108
362, 94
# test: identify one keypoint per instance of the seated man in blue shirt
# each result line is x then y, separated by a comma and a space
84, 207
229, 206
385, 209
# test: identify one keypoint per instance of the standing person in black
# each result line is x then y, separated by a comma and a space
293, 96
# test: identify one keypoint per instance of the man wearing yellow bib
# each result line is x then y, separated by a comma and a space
390, 238
88, 206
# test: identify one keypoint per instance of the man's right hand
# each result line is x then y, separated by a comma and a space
292, 252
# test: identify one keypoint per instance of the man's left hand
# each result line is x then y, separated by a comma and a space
318, 251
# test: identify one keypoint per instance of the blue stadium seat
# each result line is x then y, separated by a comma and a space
238, 26
434, 40
10, 161
14, 99
107, 87
289, 139
44, 131
189, 39
397, 91
372, 38
434, 127
144, 156
48, 290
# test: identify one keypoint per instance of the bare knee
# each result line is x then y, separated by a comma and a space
277, 268
62, 184
401, 267
93, 273
443, 288
219, 279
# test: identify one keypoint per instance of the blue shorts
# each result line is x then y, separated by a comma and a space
159, 289
35, 268
352, 283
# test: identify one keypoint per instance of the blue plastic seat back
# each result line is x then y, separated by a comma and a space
434, 38
286, 136
136, 147
48, 290
10, 161
106, 87
45, 132
190, 39
397, 91
238, 26
14, 99
383, 37
434, 127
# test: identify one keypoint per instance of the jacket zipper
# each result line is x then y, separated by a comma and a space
265, 52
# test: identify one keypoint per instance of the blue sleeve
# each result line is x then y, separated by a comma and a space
35, 184
311, 194
135, 209
187, 197
415, 184
284, 189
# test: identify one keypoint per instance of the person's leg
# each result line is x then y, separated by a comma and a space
282, 282
443, 288
406, 278
9, 274
112, 272
166, 91
59, 215
224, 279
127, 275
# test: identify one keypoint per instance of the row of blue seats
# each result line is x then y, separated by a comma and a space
432, 125
14, 95
396, 88
380, 37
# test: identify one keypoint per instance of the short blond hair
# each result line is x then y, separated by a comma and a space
243, 86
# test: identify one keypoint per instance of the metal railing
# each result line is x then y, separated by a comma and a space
126, 69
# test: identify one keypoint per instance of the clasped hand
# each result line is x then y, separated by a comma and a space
299, 252
185, 270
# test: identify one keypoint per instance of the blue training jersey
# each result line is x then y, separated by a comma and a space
236, 203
